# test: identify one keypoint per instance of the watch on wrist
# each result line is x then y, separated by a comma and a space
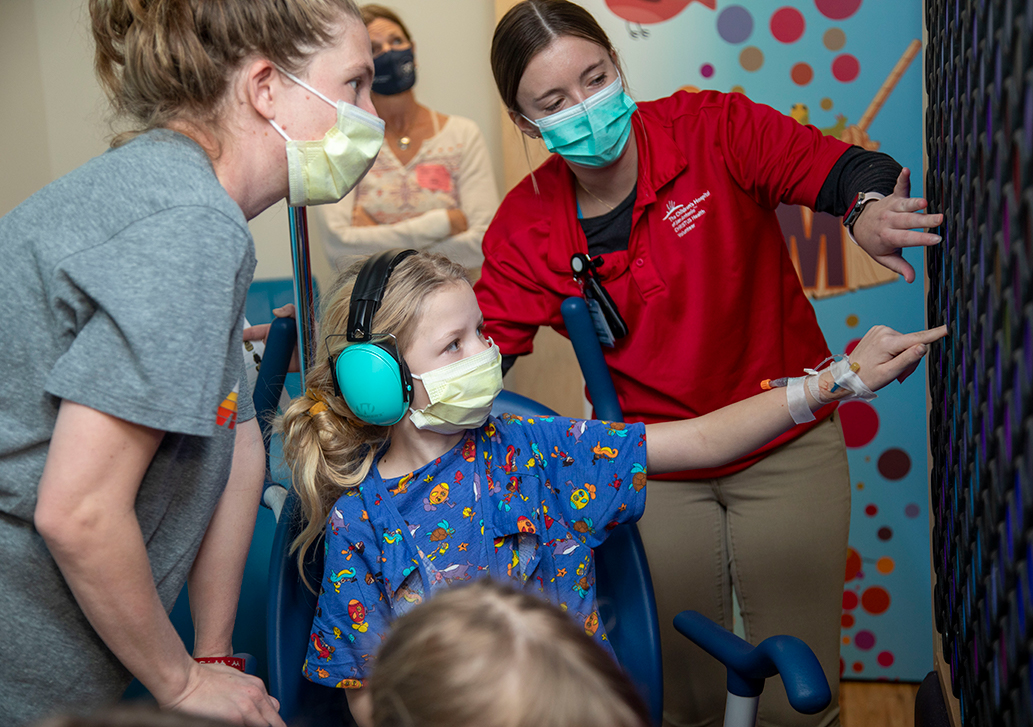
861, 200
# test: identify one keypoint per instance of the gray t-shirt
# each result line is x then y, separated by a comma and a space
124, 285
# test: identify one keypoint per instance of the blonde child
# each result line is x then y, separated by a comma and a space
489, 655
449, 494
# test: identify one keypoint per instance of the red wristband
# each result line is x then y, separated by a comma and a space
235, 661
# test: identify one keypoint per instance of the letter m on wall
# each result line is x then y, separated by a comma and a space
827, 262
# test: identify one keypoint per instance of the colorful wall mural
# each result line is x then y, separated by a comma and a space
851, 68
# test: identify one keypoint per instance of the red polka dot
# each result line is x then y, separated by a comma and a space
842, 667
837, 9
787, 25
802, 74
847, 621
853, 564
875, 600
849, 600
857, 667
851, 346
885, 658
871, 511
860, 423
845, 68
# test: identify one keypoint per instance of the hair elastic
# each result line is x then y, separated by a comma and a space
320, 402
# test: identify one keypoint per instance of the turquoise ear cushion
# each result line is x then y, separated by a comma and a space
371, 384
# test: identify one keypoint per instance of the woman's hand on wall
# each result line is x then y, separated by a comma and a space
884, 355
888, 225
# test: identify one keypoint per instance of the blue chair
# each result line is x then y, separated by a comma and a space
625, 595
620, 562
747, 666
290, 608
624, 590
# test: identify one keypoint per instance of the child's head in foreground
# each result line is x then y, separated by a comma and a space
491, 656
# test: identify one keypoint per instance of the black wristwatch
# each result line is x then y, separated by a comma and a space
861, 200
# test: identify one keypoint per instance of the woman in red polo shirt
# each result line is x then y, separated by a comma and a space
674, 200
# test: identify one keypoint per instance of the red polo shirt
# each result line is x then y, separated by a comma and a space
706, 286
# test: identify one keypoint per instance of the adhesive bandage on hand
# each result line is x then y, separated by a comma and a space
844, 376
796, 397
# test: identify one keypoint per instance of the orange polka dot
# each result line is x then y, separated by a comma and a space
885, 565
802, 74
857, 666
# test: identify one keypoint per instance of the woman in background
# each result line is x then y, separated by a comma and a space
432, 187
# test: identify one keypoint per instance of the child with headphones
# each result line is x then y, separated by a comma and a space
397, 462
490, 655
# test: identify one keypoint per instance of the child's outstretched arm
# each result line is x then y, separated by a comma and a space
733, 431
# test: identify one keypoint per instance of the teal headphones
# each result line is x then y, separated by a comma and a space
371, 375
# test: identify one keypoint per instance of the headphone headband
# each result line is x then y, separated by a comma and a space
369, 292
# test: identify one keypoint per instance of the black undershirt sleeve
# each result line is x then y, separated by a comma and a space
856, 171
508, 359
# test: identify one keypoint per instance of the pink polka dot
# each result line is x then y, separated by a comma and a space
860, 423
837, 9
787, 25
885, 658
864, 640
706, 70
845, 68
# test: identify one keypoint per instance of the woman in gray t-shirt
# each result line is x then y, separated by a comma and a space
130, 459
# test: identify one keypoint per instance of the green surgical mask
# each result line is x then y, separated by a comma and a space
592, 133
461, 393
322, 171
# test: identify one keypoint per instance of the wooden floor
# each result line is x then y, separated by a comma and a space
866, 704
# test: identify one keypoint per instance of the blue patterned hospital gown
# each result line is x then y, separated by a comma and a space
519, 499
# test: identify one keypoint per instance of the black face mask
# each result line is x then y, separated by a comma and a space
394, 72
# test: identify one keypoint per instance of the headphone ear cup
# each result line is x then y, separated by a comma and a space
374, 382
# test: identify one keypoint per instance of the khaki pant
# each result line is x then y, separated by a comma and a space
778, 532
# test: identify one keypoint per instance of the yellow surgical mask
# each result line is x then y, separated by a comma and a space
461, 393
322, 171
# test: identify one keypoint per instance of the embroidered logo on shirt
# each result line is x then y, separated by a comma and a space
683, 217
226, 414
